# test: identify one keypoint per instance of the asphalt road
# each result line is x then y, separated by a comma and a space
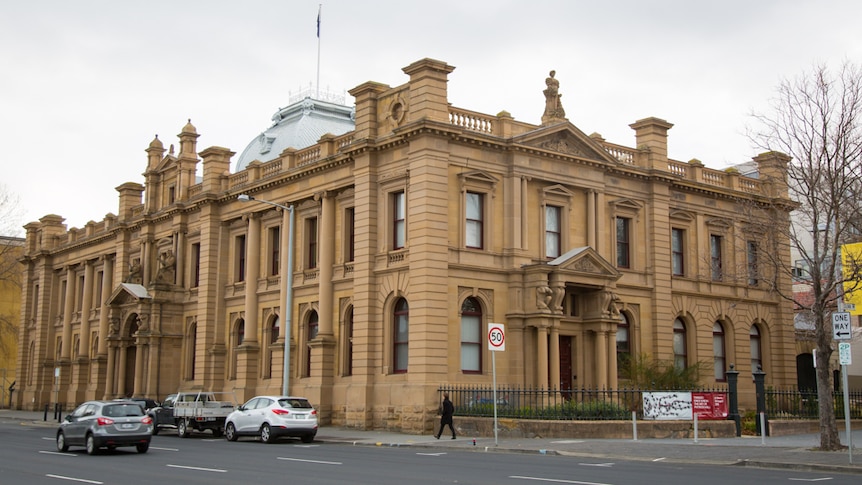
28, 456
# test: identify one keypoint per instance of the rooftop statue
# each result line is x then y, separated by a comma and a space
553, 105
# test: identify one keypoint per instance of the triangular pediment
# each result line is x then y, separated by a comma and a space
128, 293
167, 163
565, 138
586, 260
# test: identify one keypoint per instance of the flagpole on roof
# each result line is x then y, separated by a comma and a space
317, 88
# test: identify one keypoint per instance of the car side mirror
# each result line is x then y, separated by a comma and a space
69, 418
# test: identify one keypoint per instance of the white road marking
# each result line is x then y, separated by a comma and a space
306, 446
310, 461
57, 453
810, 479
606, 465
215, 470
659, 459
71, 479
164, 449
554, 480
430, 454
568, 442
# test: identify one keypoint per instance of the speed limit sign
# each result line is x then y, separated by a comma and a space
496, 336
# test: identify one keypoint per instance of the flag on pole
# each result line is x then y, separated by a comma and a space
318, 20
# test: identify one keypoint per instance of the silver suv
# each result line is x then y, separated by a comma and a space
109, 424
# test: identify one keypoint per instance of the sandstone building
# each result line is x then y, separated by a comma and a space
414, 229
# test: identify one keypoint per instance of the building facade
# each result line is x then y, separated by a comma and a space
413, 232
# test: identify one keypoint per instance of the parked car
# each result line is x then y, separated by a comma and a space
271, 417
163, 414
110, 424
145, 402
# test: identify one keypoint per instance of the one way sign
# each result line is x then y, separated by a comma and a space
841, 326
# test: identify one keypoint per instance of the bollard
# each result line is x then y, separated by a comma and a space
634, 426
733, 411
695, 427
45, 417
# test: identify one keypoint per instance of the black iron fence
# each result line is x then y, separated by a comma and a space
574, 404
796, 404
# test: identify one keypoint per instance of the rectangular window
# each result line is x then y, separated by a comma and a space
311, 242
349, 226
474, 216
80, 288
274, 250
677, 238
239, 248
196, 265
553, 231
97, 296
715, 256
623, 242
172, 194
399, 221
751, 255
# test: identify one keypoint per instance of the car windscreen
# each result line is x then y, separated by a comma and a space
295, 403
120, 410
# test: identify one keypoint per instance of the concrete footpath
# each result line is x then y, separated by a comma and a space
794, 452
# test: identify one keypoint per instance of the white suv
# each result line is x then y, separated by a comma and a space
271, 417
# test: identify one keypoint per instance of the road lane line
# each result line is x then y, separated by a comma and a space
214, 470
57, 453
163, 449
72, 479
606, 465
310, 461
431, 454
810, 479
555, 480
659, 459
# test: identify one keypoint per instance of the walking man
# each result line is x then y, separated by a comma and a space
446, 418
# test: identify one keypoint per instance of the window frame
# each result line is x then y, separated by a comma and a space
240, 245
680, 335
400, 340
476, 343
477, 223
311, 236
719, 346
755, 339
398, 206
751, 259
273, 237
623, 240
677, 251
716, 256
552, 235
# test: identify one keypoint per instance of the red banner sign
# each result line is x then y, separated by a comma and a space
709, 405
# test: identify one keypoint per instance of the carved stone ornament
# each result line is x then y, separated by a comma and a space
586, 266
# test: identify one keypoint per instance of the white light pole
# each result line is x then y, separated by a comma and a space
288, 298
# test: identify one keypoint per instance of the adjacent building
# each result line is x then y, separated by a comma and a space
417, 224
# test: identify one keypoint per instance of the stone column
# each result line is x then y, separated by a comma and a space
327, 259
542, 357
252, 273
68, 309
602, 358
591, 218
107, 282
555, 358
139, 368
612, 359
146, 263
121, 378
109, 379
86, 305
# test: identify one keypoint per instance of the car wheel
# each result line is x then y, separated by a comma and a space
143, 447
90, 443
230, 432
266, 434
61, 442
183, 429
307, 438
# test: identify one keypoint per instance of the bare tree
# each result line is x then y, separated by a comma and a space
11, 248
816, 119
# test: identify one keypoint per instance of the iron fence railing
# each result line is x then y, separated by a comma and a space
555, 404
804, 404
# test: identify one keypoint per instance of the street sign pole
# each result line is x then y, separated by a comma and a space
845, 357
496, 343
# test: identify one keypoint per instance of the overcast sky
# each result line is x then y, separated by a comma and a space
86, 84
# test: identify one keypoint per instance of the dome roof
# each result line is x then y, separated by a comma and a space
298, 126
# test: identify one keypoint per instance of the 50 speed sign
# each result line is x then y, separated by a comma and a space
496, 336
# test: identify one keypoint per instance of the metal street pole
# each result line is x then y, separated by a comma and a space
288, 298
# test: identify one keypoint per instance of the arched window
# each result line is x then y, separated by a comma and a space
471, 336
754, 338
624, 346
400, 336
348, 362
718, 353
680, 349
313, 322
274, 330
240, 332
